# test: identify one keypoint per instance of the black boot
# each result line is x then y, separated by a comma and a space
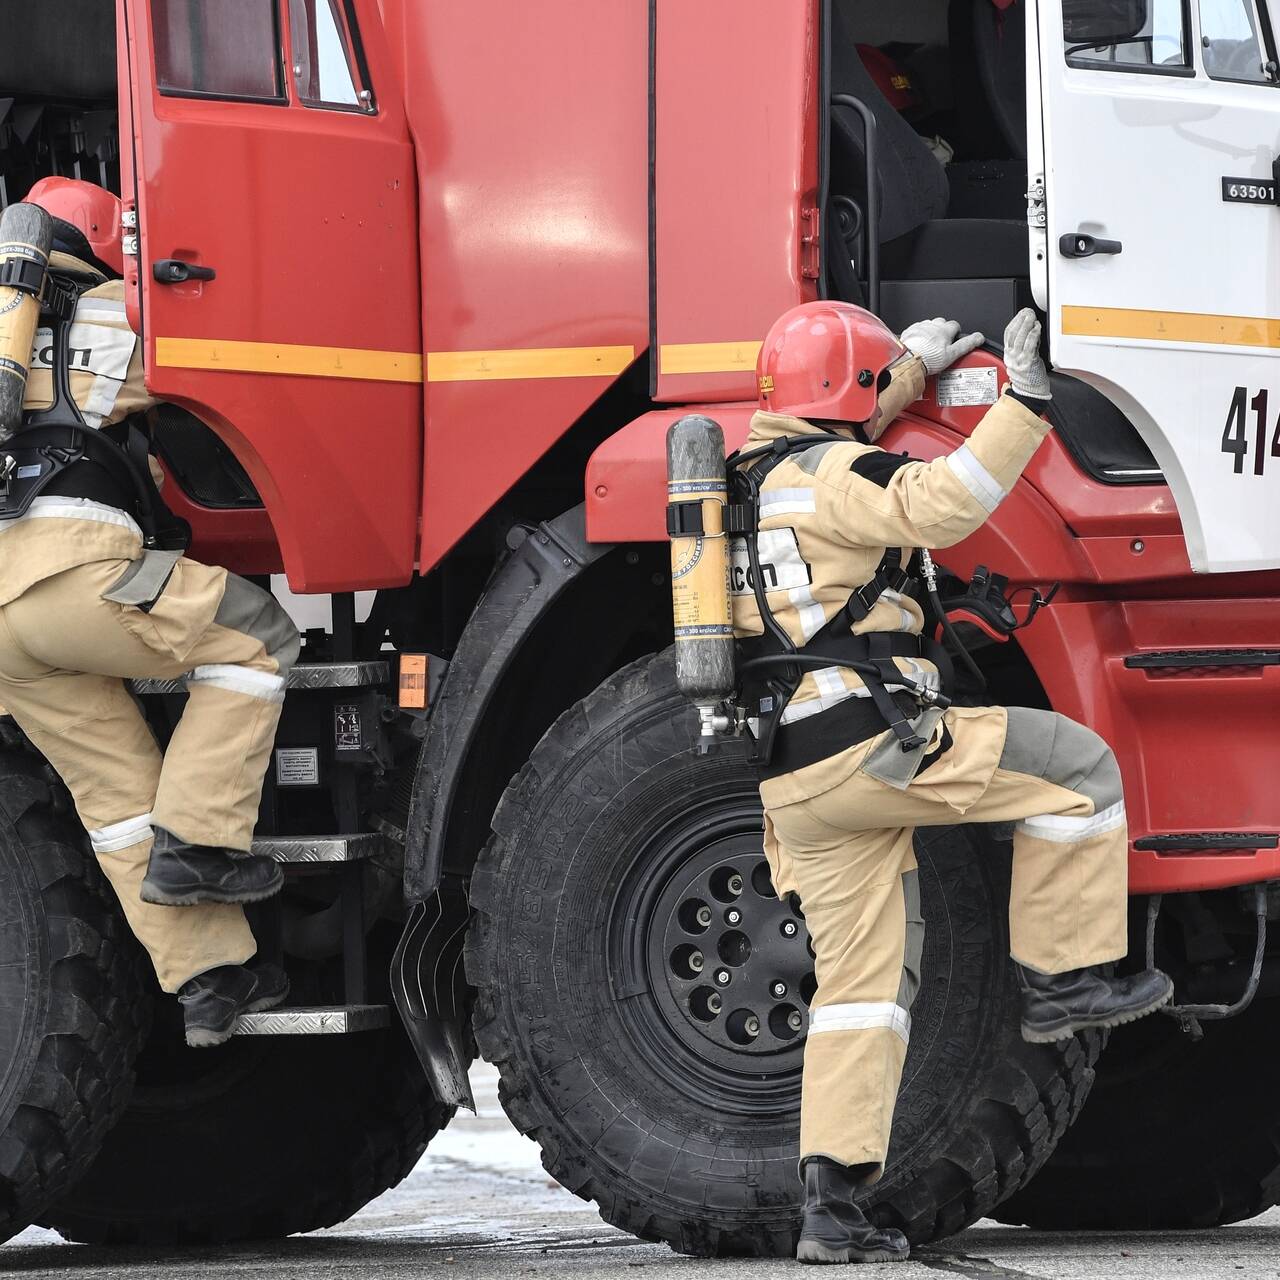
834, 1228
212, 1001
1056, 1006
181, 874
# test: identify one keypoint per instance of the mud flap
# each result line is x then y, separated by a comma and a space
430, 992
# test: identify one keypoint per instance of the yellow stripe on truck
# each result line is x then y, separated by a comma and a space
232, 356
1171, 326
709, 357
528, 362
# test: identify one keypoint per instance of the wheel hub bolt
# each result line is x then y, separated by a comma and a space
794, 1020
733, 916
779, 990
752, 1025
703, 916
722, 977
713, 1002
788, 928
734, 884
696, 962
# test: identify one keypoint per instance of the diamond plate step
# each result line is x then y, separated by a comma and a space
333, 1020
306, 675
312, 849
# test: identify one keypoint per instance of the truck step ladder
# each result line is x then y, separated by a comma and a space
305, 676
353, 689
317, 1021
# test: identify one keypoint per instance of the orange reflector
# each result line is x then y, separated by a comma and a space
413, 679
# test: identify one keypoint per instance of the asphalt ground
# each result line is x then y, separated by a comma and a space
480, 1205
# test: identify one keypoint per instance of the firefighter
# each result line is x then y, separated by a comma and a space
86, 606
857, 763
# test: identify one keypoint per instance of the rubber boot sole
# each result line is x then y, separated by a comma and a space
197, 897
814, 1251
209, 1037
1065, 1028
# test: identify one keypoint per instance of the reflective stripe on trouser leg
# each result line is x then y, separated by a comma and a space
111, 764
211, 782
1069, 889
867, 961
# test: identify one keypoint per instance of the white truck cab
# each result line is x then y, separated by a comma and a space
1154, 224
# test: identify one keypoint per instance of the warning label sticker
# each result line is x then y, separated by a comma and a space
967, 386
298, 767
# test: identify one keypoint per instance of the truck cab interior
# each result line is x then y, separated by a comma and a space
944, 83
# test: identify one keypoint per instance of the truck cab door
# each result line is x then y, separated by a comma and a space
275, 268
1155, 240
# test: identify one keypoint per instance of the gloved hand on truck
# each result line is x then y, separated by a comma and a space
939, 343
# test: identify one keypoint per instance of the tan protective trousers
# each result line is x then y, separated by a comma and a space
847, 853
65, 652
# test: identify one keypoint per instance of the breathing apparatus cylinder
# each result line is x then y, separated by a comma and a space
26, 237
697, 490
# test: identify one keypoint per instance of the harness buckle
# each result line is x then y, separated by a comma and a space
866, 596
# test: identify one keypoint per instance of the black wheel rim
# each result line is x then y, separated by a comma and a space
713, 972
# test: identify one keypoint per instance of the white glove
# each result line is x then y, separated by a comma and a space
938, 343
1027, 373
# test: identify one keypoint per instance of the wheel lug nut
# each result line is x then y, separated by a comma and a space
733, 916
713, 1002
779, 990
722, 977
789, 929
703, 916
696, 962
734, 884
752, 1025
794, 1020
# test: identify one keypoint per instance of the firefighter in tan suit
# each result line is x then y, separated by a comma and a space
843, 792
84, 606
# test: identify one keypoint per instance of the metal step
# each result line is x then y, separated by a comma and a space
306, 675
332, 1020
311, 849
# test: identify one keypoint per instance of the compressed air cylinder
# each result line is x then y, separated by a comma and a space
26, 236
700, 559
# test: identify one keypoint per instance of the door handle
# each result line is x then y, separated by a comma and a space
1079, 244
175, 271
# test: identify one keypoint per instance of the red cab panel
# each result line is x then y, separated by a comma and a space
735, 186
276, 269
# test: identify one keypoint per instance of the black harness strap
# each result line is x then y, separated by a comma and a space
870, 655
57, 453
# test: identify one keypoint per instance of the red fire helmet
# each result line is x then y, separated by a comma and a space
825, 360
91, 209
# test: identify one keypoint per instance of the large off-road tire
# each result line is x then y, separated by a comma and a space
73, 1015
258, 1139
678, 1120
1177, 1133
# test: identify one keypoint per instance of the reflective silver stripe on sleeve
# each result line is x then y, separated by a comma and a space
253, 684
861, 1017
787, 502
976, 478
1060, 830
121, 835
60, 508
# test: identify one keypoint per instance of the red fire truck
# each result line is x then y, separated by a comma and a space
451, 271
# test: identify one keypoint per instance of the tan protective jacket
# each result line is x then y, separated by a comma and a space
827, 515
107, 384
